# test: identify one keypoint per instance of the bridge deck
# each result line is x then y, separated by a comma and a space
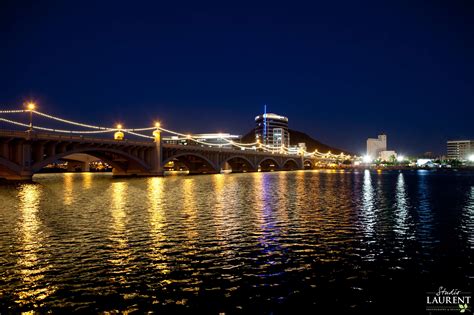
23, 153
81, 139
235, 151
66, 137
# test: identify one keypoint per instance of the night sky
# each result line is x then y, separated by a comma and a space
341, 72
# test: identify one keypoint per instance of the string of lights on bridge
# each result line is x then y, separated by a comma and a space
31, 109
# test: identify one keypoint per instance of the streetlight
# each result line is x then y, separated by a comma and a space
157, 132
119, 135
471, 158
400, 158
31, 107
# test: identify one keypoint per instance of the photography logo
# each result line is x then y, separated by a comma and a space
449, 300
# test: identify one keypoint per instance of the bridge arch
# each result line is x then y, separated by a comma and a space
290, 164
269, 164
100, 153
238, 163
308, 164
195, 162
9, 169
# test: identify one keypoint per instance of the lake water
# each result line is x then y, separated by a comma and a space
330, 241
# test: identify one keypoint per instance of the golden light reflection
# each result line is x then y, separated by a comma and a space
32, 266
121, 253
259, 199
86, 180
155, 192
218, 181
224, 220
283, 202
189, 205
68, 189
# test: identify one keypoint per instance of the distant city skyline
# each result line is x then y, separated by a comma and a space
339, 73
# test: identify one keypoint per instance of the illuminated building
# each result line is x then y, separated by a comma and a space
388, 156
376, 145
272, 130
460, 149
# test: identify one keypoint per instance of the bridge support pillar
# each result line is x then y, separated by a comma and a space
226, 167
26, 155
200, 172
24, 176
156, 155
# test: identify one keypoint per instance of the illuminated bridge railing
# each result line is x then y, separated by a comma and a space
152, 133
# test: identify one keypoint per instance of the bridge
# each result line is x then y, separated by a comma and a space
22, 154
25, 153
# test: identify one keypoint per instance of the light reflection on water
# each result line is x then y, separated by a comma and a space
157, 222
402, 208
30, 265
424, 212
368, 205
68, 189
87, 180
120, 254
262, 242
467, 225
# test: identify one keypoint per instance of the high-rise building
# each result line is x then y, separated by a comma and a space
272, 130
376, 145
460, 149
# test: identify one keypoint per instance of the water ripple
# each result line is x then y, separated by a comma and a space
259, 243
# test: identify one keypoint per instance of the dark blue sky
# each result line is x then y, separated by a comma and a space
341, 72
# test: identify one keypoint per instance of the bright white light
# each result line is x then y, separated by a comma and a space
423, 162
471, 158
400, 158
366, 159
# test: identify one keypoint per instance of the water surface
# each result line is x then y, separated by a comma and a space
341, 241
